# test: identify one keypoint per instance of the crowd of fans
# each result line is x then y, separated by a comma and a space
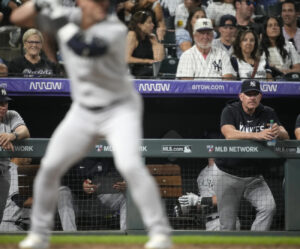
157, 28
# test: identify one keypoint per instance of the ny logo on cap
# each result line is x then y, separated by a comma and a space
252, 83
3, 92
205, 23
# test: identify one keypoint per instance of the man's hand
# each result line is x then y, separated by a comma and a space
190, 199
120, 186
6, 141
88, 187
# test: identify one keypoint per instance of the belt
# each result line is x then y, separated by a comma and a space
100, 108
211, 218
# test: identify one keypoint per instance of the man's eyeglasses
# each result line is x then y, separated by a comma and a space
249, 2
33, 42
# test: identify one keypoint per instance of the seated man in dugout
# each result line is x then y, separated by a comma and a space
92, 188
247, 119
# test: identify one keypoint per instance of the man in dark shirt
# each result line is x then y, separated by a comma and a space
246, 119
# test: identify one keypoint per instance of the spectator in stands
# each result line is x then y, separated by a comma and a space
143, 47
123, 10
202, 61
290, 30
237, 178
32, 64
3, 69
183, 10
184, 37
244, 13
16, 216
217, 8
246, 60
12, 128
91, 181
281, 55
297, 128
169, 9
227, 30
206, 198
153, 7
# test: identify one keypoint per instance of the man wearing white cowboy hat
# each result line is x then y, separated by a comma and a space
202, 61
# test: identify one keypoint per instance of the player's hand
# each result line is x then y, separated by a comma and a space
265, 134
5, 141
89, 187
275, 130
190, 199
120, 186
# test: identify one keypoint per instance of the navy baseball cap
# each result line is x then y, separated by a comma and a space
3, 95
250, 85
225, 18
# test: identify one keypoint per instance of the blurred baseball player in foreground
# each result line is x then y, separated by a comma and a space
105, 104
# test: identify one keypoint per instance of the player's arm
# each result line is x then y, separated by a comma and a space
297, 133
21, 132
228, 77
25, 15
230, 132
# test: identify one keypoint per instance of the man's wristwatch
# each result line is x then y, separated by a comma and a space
16, 135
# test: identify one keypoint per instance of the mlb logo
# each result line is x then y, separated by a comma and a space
210, 148
99, 148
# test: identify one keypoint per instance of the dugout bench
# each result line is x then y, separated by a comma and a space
198, 148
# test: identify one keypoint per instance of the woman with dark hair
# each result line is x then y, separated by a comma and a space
280, 54
153, 7
143, 48
246, 59
184, 37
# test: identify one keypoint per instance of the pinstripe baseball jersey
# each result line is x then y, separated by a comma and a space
192, 64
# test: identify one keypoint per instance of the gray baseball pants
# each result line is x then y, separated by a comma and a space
229, 191
78, 133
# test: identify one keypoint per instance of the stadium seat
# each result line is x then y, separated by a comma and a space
168, 177
168, 68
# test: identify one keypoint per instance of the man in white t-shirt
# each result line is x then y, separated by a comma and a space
202, 61
183, 10
290, 30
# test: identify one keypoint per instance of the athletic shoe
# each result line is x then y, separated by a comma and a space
34, 241
159, 241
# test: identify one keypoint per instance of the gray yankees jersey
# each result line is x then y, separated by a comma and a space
206, 181
10, 122
98, 81
193, 64
12, 211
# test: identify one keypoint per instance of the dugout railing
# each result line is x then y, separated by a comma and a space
198, 148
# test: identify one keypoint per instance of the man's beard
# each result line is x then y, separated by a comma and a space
207, 46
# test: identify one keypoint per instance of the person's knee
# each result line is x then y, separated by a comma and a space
268, 208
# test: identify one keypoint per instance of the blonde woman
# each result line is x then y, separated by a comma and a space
32, 63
